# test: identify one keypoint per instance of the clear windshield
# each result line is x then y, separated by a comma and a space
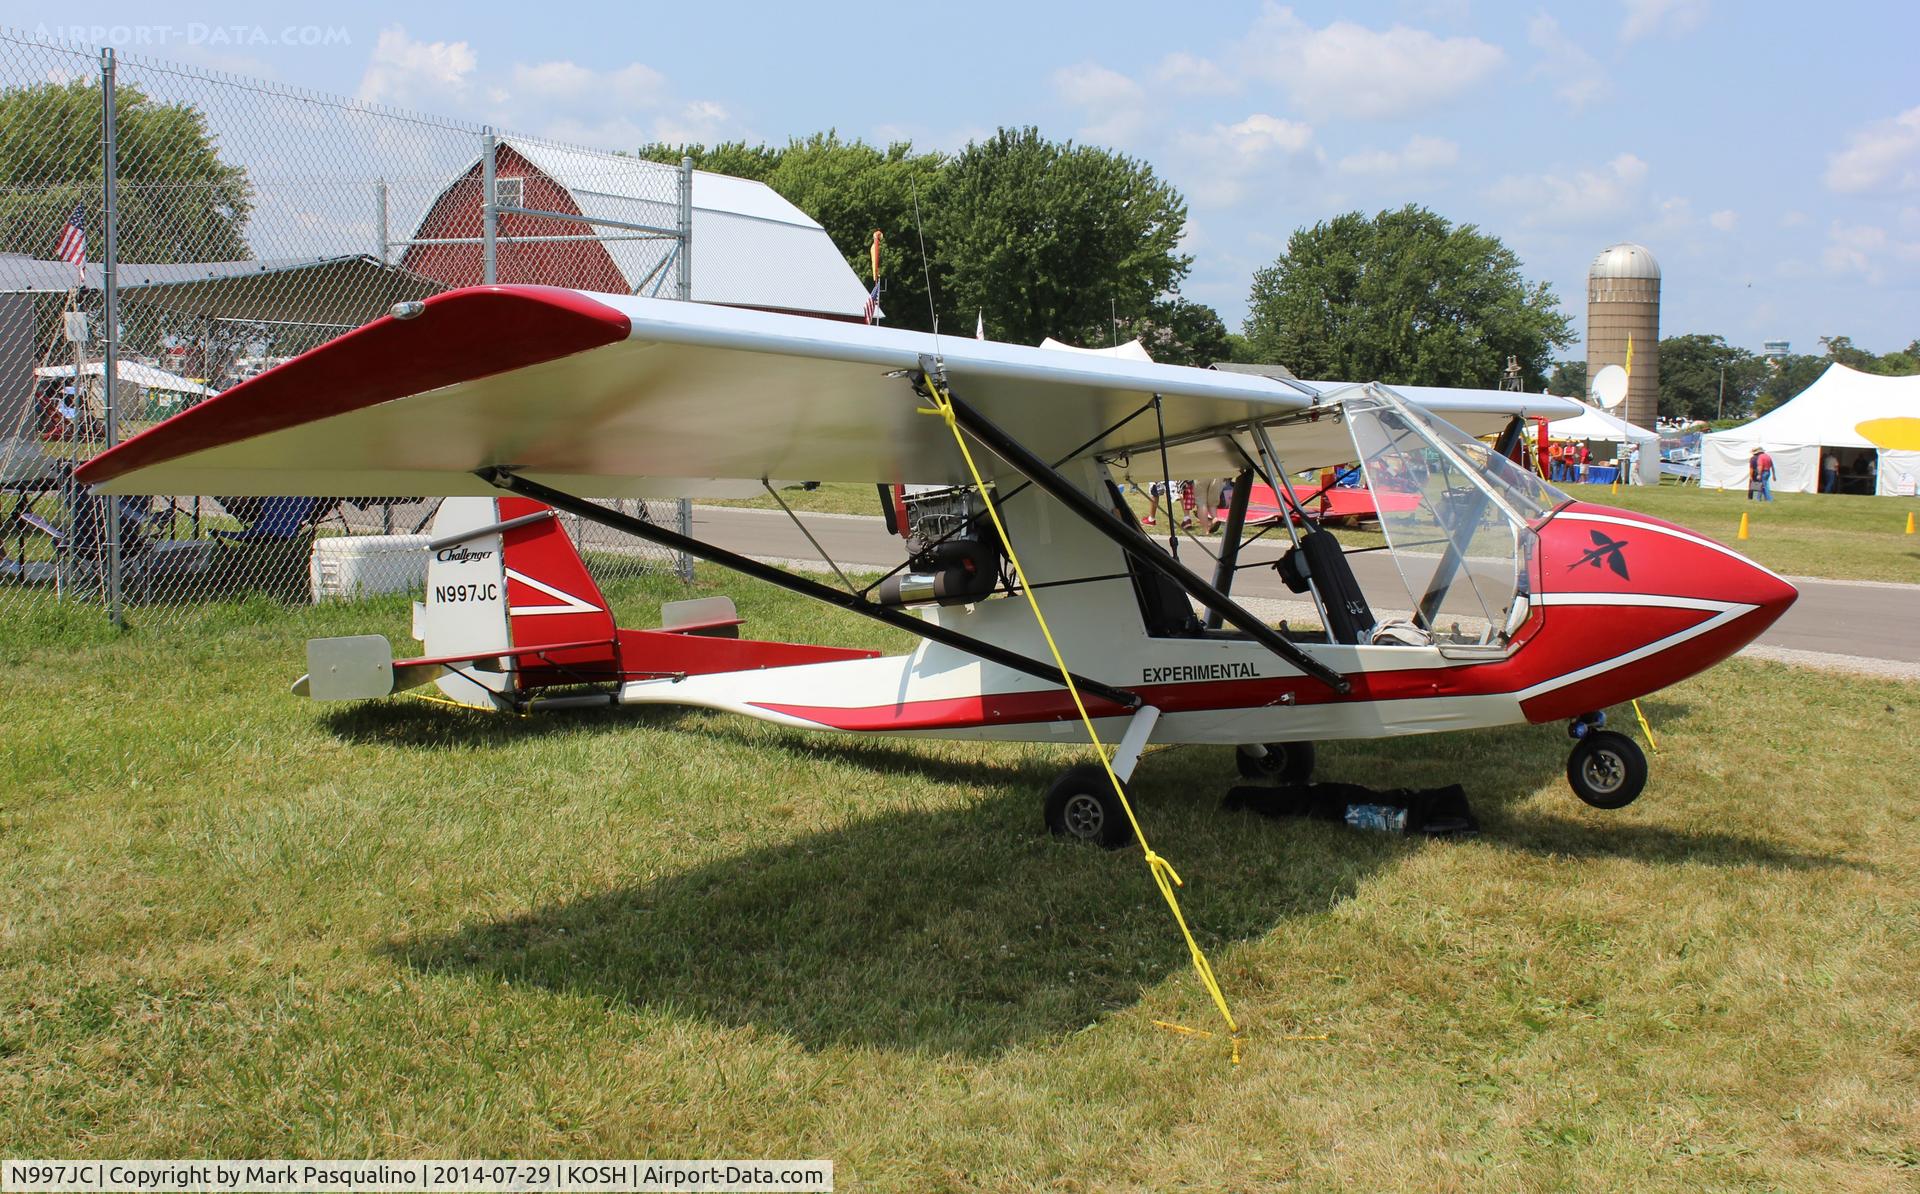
1455, 516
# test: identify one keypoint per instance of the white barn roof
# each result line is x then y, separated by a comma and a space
751, 248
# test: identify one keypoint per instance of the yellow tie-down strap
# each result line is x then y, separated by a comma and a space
1164, 876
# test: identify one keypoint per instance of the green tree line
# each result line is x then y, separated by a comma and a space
1704, 377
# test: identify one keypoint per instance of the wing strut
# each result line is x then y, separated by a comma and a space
1132, 542
508, 480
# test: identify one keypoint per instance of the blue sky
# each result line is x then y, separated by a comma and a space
1768, 154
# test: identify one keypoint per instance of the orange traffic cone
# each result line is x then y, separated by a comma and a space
1615, 490
1743, 527
1909, 522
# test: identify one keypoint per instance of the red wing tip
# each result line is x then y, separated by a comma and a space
410, 356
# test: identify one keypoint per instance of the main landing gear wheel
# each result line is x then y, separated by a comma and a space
1607, 770
1284, 762
1081, 805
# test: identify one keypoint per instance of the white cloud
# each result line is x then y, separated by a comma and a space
1420, 155
1724, 220
404, 71
1883, 156
1866, 250
634, 84
1090, 85
1349, 70
1577, 75
1188, 74
1646, 18
1116, 106
1233, 155
700, 120
1581, 197
1673, 214
610, 109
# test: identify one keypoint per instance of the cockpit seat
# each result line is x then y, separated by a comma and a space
1319, 562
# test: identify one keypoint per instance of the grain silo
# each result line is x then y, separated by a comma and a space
1623, 300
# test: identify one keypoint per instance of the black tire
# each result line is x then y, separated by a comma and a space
1284, 763
1607, 770
1081, 806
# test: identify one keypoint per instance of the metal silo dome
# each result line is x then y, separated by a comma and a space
1625, 260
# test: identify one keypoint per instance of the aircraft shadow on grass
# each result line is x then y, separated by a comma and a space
967, 929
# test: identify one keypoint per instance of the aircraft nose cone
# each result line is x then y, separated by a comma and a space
1758, 586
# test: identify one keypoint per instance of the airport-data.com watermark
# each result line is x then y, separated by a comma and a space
200, 33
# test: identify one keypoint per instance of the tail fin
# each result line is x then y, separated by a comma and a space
502, 576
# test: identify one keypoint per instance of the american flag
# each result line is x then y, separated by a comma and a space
72, 245
873, 301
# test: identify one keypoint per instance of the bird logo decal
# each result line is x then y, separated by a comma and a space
1610, 551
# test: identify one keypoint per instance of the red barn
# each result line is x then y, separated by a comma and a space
751, 248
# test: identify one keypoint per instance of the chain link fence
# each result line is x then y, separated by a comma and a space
169, 232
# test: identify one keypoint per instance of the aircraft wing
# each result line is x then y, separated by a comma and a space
616, 396
1305, 444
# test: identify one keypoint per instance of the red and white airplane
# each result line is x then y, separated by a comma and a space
1507, 603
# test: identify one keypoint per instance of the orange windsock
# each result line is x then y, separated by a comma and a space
876, 254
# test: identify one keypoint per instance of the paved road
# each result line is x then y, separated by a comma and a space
1869, 621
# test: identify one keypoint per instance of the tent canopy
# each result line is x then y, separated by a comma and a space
330, 291
1596, 424
1827, 414
131, 373
1132, 350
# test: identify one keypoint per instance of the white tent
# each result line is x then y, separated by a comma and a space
131, 373
1597, 424
1132, 350
1825, 415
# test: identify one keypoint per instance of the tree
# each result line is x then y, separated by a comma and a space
1403, 297
1692, 369
1894, 364
1569, 379
1177, 332
1051, 238
177, 200
735, 158
1786, 377
853, 190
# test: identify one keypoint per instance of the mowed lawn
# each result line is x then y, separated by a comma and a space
235, 923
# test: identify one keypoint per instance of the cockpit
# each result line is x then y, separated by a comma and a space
1440, 557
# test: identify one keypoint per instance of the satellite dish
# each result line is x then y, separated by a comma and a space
1609, 387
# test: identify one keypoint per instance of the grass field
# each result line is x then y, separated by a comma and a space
233, 923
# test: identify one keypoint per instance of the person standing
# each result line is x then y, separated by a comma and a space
1830, 474
1212, 497
1763, 474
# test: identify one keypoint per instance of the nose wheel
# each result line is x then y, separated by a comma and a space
1607, 769
1082, 807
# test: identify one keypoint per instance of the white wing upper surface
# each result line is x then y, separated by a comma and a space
616, 396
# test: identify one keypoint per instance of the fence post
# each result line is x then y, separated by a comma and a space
684, 564
489, 208
380, 219
110, 315
684, 262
